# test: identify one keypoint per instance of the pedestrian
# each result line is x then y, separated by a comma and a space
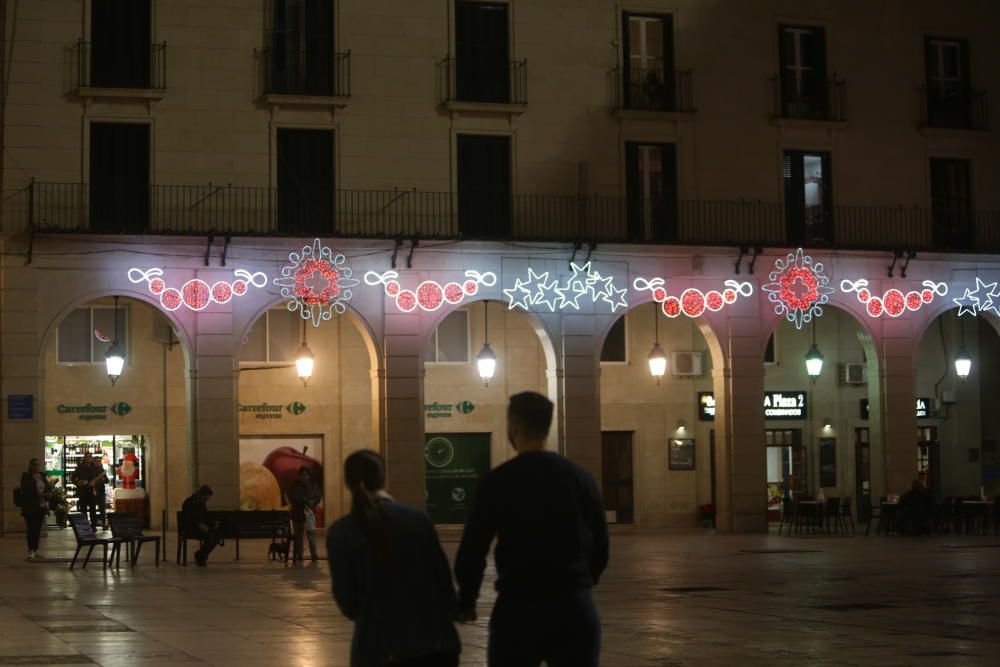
306, 497
196, 524
552, 546
35, 492
89, 479
390, 576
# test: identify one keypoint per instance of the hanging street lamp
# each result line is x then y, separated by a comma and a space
114, 358
486, 360
657, 359
814, 358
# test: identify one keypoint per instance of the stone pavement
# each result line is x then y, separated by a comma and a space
666, 600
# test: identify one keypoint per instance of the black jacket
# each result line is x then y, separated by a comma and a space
193, 513
32, 504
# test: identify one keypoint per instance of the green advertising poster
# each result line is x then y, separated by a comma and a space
455, 463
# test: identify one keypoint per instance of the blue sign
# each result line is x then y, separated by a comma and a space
20, 406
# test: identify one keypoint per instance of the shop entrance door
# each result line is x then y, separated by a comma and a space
616, 473
711, 456
862, 473
928, 460
786, 468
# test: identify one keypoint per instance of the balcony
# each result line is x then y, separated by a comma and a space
290, 82
652, 90
100, 74
476, 88
827, 104
236, 210
954, 109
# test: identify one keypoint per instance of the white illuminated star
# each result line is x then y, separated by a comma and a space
616, 299
525, 297
963, 303
984, 294
546, 291
571, 301
605, 289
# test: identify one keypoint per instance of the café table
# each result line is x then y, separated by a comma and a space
887, 518
979, 514
812, 512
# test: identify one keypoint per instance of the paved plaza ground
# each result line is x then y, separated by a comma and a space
666, 600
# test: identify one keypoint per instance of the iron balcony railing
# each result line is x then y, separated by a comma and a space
241, 210
955, 108
462, 81
101, 68
827, 103
653, 89
294, 74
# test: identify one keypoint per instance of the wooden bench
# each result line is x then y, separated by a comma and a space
86, 537
237, 524
128, 527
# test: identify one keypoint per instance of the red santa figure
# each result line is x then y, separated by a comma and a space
129, 470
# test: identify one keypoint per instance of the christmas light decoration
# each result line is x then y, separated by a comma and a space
799, 288
893, 302
196, 294
540, 290
317, 282
979, 300
430, 295
693, 302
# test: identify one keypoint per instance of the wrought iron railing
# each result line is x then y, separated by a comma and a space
470, 82
287, 75
653, 89
958, 108
99, 70
241, 210
829, 103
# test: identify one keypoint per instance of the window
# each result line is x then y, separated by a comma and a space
808, 197
449, 344
649, 81
802, 77
769, 355
80, 334
482, 68
948, 83
120, 48
119, 177
274, 338
484, 186
615, 348
301, 54
305, 181
951, 203
651, 186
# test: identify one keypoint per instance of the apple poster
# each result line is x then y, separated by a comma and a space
269, 468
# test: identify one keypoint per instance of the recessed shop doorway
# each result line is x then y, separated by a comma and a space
617, 476
929, 458
786, 468
863, 473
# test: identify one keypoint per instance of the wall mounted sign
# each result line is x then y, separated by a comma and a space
441, 410
924, 405
586, 283
706, 406
454, 464
893, 302
799, 288
693, 302
20, 406
430, 295
317, 282
89, 412
785, 405
273, 411
196, 294
985, 297
681, 454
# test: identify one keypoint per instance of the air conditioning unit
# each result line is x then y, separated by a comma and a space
685, 364
853, 373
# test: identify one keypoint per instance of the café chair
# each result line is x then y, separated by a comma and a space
787, 515
86, 537
845, 515
831, 515
128, 527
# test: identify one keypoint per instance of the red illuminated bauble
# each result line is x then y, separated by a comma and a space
315, 269
713, 301
240, 287
792, 294
392, 288
864, 295
729, 295
672, 306
692, 302
222, 292
471, 287
894, 302
913, 300
875, 306
156, 285
927, 296
196, 294
406, 301
453, 293
171, 298
659, 295
429, 295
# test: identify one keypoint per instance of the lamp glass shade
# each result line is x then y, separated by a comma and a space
486, 362
963, 364
114, 361
814, 362
657, 362
304, 363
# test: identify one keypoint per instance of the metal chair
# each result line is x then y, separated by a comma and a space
846, 515
127, 526
86, 537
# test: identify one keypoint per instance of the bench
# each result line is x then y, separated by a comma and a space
128, 527
237, 524
86, 537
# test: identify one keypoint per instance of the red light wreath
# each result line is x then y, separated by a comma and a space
430, 295
893, 302
196, 294
693, 302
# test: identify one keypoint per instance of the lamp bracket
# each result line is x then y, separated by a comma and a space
591, 247
414, 242
225, 247
743, 251
757, 250
910, 254
576, 247
208, 248
395, 250
896, 254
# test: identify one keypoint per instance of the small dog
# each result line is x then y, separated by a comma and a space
278, 550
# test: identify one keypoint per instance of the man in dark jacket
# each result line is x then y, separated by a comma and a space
196, 524
552, 546
89, 479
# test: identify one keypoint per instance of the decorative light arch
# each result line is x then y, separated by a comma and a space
300, 277
893, 301
693, 302
430, 295
799, 288
196, 294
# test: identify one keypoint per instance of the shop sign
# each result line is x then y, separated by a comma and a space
924, 406
440, 410
454, 464
273, 410
89, 412
21, 406
706, 406
785, 405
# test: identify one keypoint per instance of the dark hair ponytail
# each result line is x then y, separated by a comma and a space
364, 474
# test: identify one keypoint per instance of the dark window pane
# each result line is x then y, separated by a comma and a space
74, 337
453, 338
615, 347
284, 329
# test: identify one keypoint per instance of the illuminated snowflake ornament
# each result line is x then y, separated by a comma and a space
317, 282
799, 288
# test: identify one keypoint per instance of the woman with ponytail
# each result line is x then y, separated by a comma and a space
390, 576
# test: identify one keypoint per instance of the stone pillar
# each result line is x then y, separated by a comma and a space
579, 404
403, 446
898, 380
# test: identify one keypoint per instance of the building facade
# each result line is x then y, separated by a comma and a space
394, 184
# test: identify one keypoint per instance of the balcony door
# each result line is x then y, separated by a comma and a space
802, 51
649, 80
120, 43
305, 181
484, 186
808, 198
951, 203
482, 68
949, 91
119, 177
302, 47
651, 187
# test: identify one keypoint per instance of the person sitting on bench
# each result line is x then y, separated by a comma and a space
196, 524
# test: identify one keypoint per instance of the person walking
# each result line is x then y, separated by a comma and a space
89, 479
196, 524
35, 492
552, 546
306, 497
390, 576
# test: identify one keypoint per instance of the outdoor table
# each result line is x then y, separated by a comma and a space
888, 515
813, 513
979, 514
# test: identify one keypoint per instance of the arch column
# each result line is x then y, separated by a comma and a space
402, 414
579, 399
898, 432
